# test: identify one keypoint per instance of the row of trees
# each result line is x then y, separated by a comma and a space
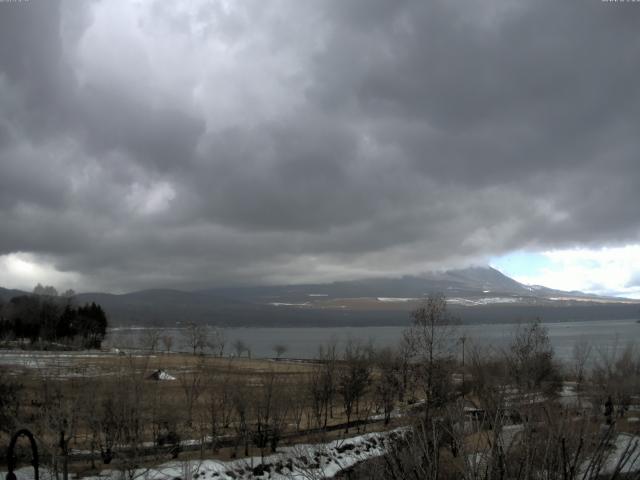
509, 419
198, 339
52, 319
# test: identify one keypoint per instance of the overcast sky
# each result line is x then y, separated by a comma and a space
199, 143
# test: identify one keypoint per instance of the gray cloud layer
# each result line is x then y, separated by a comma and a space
198, 143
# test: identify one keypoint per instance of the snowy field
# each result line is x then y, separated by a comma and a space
320, 461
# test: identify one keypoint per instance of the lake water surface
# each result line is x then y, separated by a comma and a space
304, 342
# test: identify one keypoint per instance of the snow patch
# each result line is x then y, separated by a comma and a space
161, 375
284, 304
395, 299
624, 456
297, 462
482, 301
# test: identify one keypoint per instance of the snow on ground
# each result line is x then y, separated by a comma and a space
40, 358
37, 358
623, 457
380, 416
624, 443
161, 375
482, 301
519, 399
58, 364
396, 299
285, 304
304, 461
569, 397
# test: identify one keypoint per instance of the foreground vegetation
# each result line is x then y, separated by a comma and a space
48, 320
467, 412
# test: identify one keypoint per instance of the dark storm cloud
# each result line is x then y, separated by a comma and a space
195, 144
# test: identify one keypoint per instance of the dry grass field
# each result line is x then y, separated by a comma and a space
105, 403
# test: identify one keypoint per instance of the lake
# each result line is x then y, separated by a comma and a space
304, 342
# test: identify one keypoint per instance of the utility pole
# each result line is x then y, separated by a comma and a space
463, 339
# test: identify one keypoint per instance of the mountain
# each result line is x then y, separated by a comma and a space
476, 294
6, 293
464, 282
468, 283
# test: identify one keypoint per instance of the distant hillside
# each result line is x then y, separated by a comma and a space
6, 294
478, 294
470, 281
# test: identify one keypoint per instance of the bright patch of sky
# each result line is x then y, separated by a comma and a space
605, 271
151, 199
23, 271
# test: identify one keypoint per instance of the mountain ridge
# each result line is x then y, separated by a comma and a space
474, 294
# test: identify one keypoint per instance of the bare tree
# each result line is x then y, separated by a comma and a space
59, 416
195, 337
270, 408
167, 341
11, 394
240, 347
316, 395
298, 396
123, 417
218, 341
240, 399
617, 375
432, 339
150, 339
406, 373
354, 377
531, 362
388, 382
192, 384
219, 404
279, 349
489, 375
322, 385
579, 358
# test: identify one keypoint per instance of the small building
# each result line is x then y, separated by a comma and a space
161, 375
